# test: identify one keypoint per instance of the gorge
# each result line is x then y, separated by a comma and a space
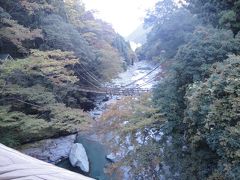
168, 110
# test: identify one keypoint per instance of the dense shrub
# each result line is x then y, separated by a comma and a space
212, 114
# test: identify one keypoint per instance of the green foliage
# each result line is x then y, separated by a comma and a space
35, 93
145, 160
15, 38
53, 27
52, 64
199, 94
76, 12
207, 46
111, 64
188, 163
67, 26
102, 38
190, 64
212, 113
30, 12
39, 92
17, 127
163, 9
124, 50
166, 37
223, 13
4, 14
228, 16
31, 96
124, 119
139, 113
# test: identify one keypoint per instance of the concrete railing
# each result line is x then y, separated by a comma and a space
15, 165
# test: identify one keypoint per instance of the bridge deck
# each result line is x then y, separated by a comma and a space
17, 166
115, 91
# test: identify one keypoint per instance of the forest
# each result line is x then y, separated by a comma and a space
53, 43
198, 44
196, 102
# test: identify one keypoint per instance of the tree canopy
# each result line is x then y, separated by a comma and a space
223, 13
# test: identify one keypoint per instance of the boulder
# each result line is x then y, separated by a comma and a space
78, 157
50, 150
97, 113
111, 157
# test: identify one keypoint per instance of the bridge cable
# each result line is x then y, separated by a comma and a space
142, 76
84, 89
154, 78
86, 79
90, 74
24, 102
89, 70
147, 82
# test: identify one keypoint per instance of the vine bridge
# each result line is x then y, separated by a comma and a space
116, 91
96, 86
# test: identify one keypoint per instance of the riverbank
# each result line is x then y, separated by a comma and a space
50, 150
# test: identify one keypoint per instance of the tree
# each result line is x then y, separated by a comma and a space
212, 115
53, 27
33, 97
198, 94
16, 39
163, 9
223, 13
124, 49
191, 64
165, 38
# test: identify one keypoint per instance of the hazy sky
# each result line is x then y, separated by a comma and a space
124, 15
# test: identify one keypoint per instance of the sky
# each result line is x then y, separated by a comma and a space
124, 15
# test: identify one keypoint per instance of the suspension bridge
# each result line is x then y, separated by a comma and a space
98, 87
116, 91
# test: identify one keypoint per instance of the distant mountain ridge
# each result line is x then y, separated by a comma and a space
139, 35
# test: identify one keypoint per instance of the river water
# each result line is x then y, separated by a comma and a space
95, 148
96, 155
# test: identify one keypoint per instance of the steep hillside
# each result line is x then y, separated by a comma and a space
57, 47
198, 45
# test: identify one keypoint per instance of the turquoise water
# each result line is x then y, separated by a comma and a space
96, 155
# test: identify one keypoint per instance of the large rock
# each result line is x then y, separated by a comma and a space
78, 157
111, 157
50, 150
